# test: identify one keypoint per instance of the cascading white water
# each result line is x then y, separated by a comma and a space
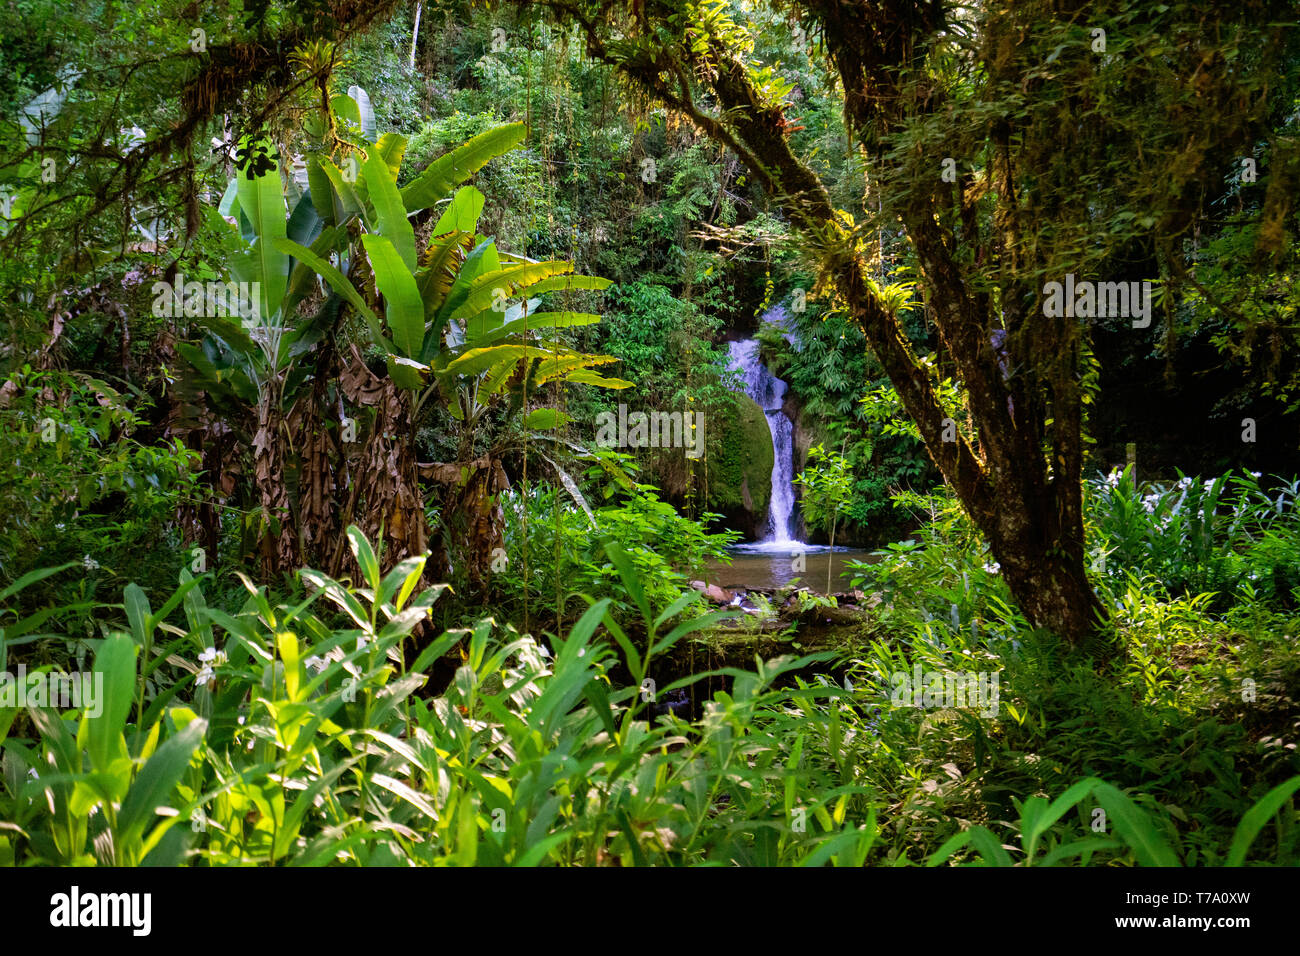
769, 392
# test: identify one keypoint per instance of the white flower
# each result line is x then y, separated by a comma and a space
1254, 474
993, 568
1185, 483
1209, 483
89, 563
210, 658
1113, 478
316, 664
361, 641
33, 774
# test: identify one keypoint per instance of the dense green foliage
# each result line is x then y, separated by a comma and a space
362, 581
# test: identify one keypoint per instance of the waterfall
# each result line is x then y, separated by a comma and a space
769, 392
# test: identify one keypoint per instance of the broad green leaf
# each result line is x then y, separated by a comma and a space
157, 779
439, 178
404, 310
546, 418
365, 113
262, 201
1135, 827
392, 147
350, 204
491, 287
115, 667
461, 215
365, 556
340, 284
320, 190
389, 212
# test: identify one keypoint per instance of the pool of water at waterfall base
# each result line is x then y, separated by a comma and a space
771, 565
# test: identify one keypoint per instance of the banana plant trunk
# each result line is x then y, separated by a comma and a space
386, 501
279, 541
472, 515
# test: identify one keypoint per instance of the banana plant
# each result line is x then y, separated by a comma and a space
252, 352
450, 327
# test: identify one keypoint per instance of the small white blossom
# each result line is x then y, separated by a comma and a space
1113, 478
89, 563
316, 664
993, 568
1254, 474
210, 658
1185, 483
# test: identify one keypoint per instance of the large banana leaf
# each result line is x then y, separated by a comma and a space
222, 371
304, 224
349, 199
340, 284
390, 214
481, 336
561, 366
441, 265
563, 283
482, 260
321, 191
478, 360
405, 311
462, 213
483, 291
392, 147
444, 173
261, 200
365, 113
587, 377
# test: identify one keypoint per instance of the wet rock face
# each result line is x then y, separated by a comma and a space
740, 471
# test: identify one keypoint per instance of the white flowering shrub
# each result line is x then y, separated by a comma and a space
1198, 535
